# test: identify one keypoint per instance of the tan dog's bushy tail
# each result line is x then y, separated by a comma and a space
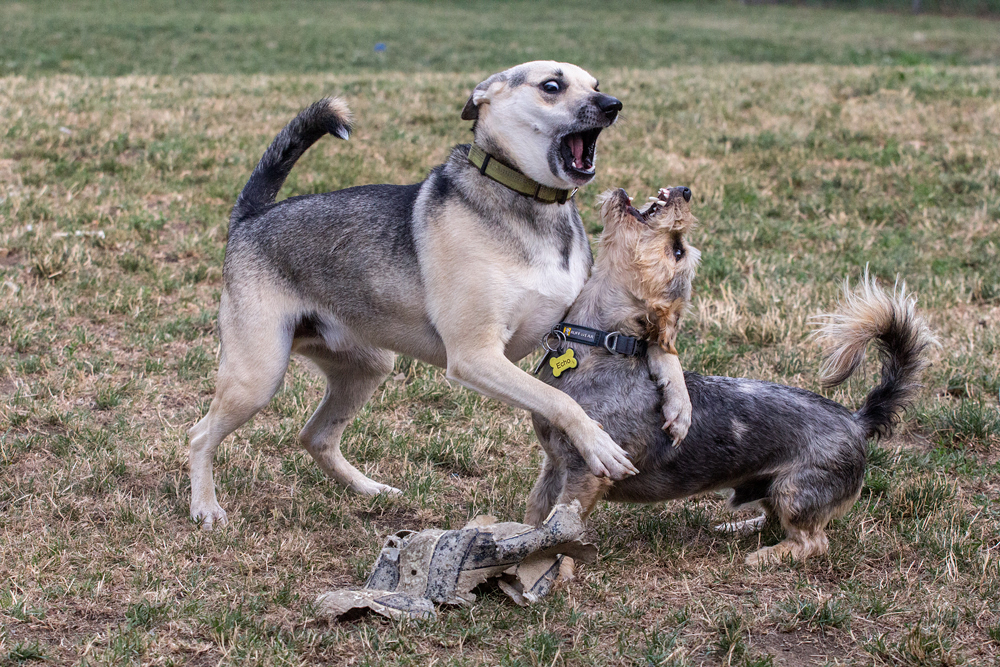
869, 314
330, 115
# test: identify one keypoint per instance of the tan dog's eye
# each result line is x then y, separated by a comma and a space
678, 249
551, 86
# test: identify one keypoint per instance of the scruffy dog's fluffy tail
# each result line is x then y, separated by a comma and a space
869, 314
328, 116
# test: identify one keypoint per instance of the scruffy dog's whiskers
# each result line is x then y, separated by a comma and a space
795, 454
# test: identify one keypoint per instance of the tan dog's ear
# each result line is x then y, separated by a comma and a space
482, 94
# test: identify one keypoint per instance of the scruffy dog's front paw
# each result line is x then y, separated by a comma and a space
677, 415
665, 368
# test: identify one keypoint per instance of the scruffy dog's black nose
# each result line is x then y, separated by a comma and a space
686, 193
609, 105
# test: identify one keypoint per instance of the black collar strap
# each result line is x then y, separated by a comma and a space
514, 179
614, 341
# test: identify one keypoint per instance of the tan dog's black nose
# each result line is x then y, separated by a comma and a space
686, 193
610, 106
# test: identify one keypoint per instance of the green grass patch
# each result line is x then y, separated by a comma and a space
118, 37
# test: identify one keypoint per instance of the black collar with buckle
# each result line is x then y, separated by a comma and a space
508, 176
614, 342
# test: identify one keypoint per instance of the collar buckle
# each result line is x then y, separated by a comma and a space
610, 342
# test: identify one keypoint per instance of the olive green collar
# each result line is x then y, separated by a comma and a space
515, 180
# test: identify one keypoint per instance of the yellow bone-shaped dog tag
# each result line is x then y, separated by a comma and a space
562, 363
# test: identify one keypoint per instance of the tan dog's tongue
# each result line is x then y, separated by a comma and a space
576, 146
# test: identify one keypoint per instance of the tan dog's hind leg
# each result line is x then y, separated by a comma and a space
351, 380
800, 544
254, 359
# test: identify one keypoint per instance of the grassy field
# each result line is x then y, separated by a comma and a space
118, 37
114, 195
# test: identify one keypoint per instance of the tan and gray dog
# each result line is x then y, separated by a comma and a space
465, 270
799, 456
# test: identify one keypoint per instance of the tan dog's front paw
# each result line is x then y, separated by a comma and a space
677, 415
602, 454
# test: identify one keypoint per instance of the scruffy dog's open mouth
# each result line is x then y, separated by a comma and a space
654, 206
578, 151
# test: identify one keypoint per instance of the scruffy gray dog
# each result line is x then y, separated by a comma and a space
799, 456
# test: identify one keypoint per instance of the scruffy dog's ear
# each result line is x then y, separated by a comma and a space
482, 94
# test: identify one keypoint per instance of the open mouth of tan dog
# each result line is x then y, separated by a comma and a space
578, 150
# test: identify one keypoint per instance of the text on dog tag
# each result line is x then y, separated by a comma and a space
563, 362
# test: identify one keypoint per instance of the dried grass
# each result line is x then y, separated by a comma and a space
801, 175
